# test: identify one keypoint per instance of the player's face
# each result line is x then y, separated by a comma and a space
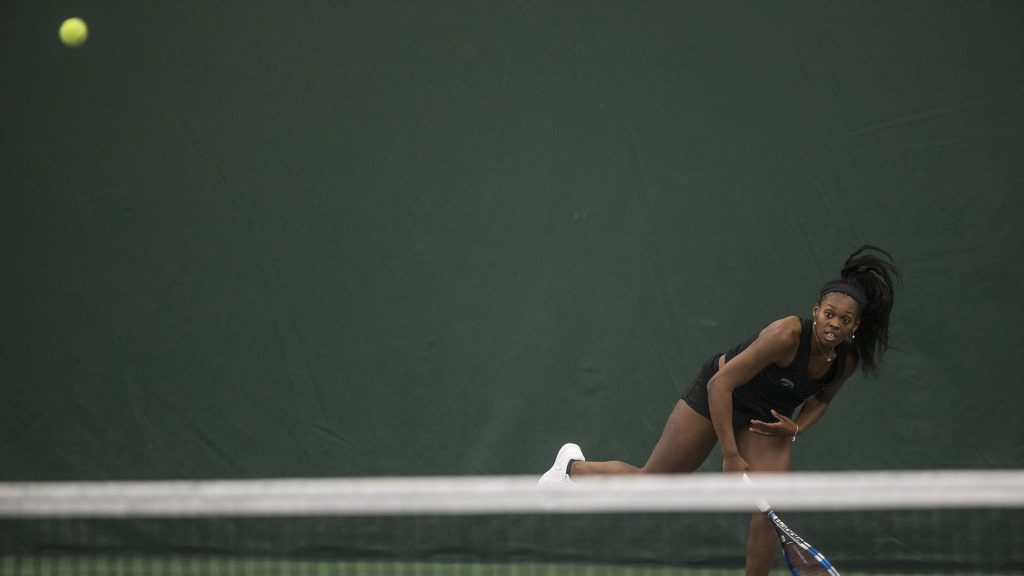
837, 316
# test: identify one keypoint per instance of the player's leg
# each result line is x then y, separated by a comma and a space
763, 454
685, 443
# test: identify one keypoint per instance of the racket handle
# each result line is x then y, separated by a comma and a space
762, 504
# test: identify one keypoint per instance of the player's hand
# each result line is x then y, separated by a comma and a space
734, 464
784, 427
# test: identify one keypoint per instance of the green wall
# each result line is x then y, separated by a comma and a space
249, 239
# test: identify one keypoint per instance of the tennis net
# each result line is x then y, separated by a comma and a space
689, 525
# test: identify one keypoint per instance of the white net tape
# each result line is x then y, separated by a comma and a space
513, 494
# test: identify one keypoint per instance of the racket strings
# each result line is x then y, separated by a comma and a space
801, 557
802, 562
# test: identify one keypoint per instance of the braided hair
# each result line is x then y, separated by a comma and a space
871, 270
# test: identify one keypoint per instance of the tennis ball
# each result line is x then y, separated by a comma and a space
73, 32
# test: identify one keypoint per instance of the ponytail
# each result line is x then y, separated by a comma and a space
873, 274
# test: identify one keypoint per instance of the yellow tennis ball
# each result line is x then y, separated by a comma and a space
73, 32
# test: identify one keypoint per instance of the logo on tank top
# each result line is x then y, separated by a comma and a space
787, 383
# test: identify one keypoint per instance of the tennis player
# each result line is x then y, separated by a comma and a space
745, 399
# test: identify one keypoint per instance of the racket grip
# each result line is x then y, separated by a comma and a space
762, 504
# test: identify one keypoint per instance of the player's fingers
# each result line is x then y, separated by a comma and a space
759, 430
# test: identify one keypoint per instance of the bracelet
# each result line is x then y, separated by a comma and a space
797, 431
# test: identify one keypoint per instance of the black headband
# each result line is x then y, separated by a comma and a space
849, 289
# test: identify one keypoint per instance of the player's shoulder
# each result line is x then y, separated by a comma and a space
783, 332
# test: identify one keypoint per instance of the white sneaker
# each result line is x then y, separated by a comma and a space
556, 474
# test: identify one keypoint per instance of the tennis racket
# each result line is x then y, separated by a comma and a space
801, 557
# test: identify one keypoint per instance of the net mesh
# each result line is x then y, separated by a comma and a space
877, 523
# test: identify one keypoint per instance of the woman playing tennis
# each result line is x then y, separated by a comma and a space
746, 398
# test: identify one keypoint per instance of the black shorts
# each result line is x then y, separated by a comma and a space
696, 397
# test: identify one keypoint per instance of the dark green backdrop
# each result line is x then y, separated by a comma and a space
250, 239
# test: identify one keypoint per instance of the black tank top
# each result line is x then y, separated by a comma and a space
784, 388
